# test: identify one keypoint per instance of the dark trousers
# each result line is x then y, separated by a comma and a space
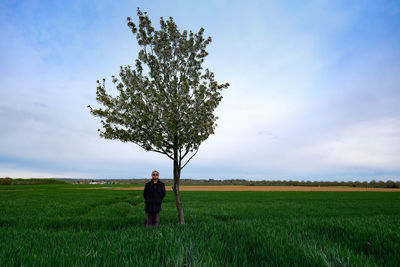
152, 218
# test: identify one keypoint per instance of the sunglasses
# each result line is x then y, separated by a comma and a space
155, 174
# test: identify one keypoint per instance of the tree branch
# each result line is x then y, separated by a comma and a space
187, 151
161, 152
180, 158
190, 159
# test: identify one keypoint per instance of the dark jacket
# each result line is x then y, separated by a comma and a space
154, 195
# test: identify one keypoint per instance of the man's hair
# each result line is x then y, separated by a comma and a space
155, 171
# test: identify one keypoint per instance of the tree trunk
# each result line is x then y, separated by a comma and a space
177, 177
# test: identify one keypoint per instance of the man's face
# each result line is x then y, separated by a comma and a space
154, 175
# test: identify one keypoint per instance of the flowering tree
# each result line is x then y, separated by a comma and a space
166, 102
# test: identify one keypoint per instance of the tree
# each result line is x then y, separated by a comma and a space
165, 103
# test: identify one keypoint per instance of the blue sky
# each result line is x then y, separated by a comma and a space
314, 94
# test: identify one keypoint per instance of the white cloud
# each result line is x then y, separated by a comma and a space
372, 144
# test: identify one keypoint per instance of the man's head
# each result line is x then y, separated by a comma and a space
154, 175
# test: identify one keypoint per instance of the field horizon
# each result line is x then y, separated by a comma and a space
266, 188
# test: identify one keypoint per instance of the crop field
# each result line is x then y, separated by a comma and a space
71, 225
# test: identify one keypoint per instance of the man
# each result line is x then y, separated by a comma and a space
154, 193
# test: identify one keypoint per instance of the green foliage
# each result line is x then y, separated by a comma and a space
166, 102
69, 225
20, 181
6, 181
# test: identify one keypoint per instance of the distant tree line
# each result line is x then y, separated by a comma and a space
373, 183
370, 184
21, 181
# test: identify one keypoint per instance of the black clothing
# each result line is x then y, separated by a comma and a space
154, 195
152, 219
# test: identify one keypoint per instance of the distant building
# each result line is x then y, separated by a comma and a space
97, 182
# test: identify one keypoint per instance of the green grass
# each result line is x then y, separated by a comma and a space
68, 225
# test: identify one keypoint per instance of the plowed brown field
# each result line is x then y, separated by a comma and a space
264, 188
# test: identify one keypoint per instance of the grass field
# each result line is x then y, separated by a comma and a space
68, 225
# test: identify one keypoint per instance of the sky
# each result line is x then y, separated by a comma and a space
314, 95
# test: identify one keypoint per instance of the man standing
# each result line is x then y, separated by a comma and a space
154, 193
